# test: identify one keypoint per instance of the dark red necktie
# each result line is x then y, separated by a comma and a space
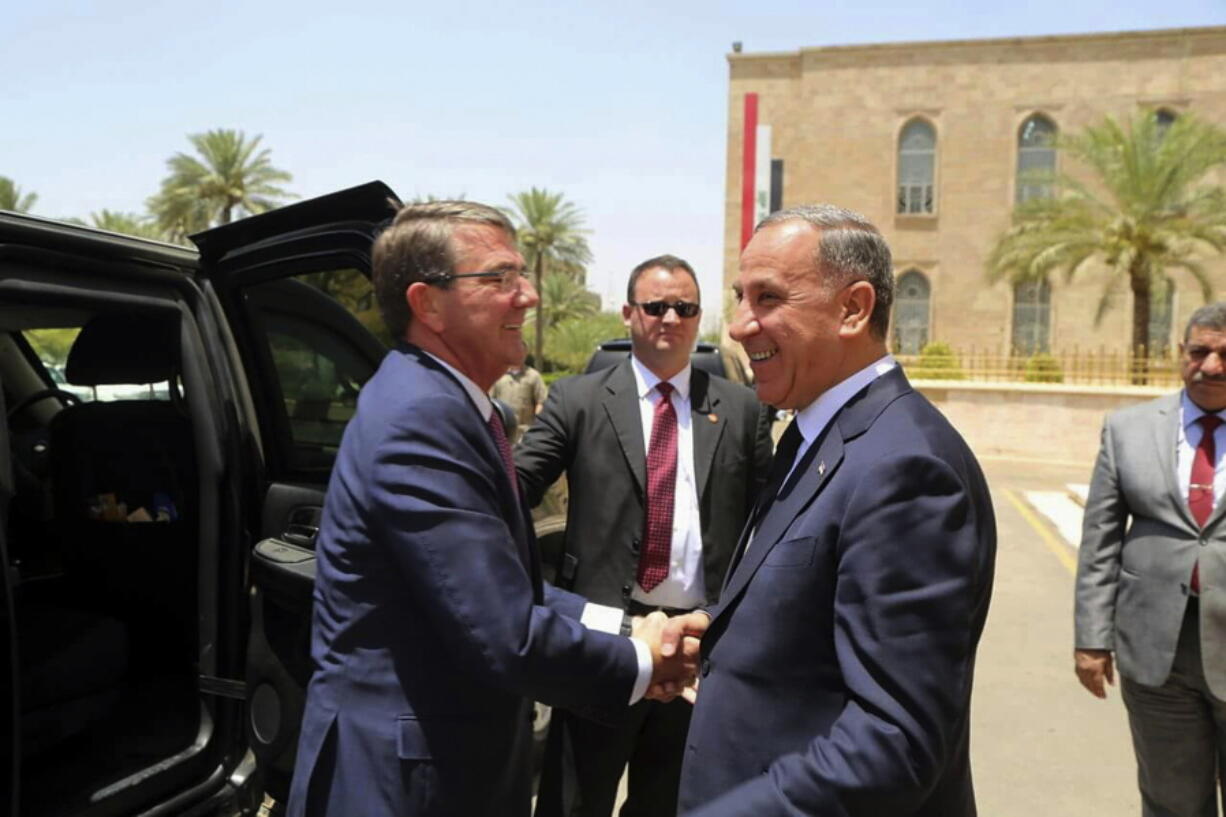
1200, 487
661, 483
504, 448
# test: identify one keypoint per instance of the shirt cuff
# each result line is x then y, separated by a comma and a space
601, 617
644, 680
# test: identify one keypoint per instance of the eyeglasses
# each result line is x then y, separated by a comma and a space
658, 309
511, 278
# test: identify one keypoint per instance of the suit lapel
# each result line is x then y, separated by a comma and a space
801, 488
811, 475
706, 425
1165, 439
515, 512
621, 404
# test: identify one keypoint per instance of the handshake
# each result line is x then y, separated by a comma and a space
674, 644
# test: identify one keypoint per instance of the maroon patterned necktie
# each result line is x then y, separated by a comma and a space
661, 482
1200, 486
504, 448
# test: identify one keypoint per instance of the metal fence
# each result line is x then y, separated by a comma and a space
1089, 367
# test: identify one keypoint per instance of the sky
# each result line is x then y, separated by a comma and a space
622, 107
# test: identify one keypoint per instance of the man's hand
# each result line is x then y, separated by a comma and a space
1093, 666
678, 639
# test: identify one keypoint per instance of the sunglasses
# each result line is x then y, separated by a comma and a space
658, 309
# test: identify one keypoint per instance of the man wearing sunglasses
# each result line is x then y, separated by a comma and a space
663, 463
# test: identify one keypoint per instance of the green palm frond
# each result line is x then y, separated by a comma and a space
11, 197
231, 176
1198, 273
552, 239
128, 223
566, 299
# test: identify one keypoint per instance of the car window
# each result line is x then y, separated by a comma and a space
325, 338
52, 346
352, 289
320, 394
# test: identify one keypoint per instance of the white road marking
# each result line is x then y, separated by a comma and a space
1061, 511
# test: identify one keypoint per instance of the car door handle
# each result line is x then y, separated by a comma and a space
300, 535
302, 526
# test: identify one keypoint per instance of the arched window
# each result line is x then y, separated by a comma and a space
1163, 119
1161, 308
1036, 158
911, 312
917, 153
1031, 317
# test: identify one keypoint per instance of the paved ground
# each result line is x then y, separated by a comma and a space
1040, 744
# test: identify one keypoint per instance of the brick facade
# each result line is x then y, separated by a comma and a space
836, 114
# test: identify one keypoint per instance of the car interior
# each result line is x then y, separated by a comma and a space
103, 540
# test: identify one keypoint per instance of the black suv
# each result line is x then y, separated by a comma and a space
157, 521
706, 356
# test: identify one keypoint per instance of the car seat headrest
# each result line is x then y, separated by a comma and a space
128, 347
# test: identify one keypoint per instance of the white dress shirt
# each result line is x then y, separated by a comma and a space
813, 418
684, 586
595, 616
1190, 433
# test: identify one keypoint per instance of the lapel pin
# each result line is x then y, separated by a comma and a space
713, 417
821, 468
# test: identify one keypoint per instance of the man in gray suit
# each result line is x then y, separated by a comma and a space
1151, 577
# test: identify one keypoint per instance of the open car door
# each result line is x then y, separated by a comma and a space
293, 286
9, 750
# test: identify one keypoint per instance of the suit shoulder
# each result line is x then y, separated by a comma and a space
910, 423
402, 390
1142, 412
579, 386
731, 391
912, 406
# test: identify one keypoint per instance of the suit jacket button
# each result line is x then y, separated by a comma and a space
706, 667
626, 588
634, 546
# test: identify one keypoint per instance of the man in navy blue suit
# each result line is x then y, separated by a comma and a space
837, 667
432, 631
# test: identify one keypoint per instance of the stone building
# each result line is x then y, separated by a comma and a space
927, 139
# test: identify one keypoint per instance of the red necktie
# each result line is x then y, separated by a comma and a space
1200, 487
504, 448
661, 482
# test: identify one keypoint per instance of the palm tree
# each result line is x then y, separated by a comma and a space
572, 341
564, 299
551, 237
1143, 210
12, 199
230, 177
127, 223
